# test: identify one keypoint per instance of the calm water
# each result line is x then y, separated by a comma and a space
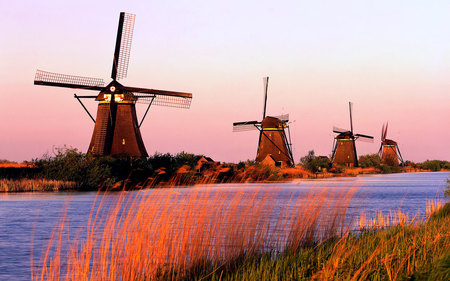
31, 217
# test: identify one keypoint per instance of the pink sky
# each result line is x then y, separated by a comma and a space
392, 60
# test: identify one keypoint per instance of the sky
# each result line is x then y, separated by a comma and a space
390, 58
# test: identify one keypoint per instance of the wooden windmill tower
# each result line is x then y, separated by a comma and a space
116, 130
389, 151
273, 140
344, 148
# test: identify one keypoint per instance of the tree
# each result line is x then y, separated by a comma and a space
314, 163
307, 158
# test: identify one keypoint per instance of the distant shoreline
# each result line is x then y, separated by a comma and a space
19, 185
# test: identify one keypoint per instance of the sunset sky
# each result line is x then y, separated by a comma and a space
390, 58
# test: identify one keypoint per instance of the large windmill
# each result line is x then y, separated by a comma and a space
389, 151
116, 130
344, 148
273, 140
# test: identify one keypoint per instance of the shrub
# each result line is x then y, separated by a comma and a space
91, 172
385, 169
434, 165
68, 164
370, 160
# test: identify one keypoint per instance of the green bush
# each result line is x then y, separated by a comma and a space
69, 164
385, 169
91, 172
370, 160
434, 165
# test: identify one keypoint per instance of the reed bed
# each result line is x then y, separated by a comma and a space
162, 234
33, 185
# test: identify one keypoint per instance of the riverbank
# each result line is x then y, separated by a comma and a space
69, 169
187, 177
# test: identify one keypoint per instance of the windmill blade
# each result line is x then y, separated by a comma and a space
339, 130
161, 98
246, 123
123, 46
283, 117
364, 138
157, 92
266, 85
385, 130
245, 126
350, 107
46, 78
382, 133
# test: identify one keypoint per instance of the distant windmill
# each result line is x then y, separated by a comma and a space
273, 141
344, 148
116, 130
389, 151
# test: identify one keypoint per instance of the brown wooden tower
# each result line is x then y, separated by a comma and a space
389, 151
344, 148
116, 130
273, 142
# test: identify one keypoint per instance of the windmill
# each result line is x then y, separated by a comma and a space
116, 129
344, 149
273, 143
389, 151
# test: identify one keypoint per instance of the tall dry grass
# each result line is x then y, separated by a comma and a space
166, 234
31, 185
170, 235
394, 253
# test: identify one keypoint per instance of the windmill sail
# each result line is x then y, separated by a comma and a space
266, 85
46, 78
283, 117
161, 98
350, 107
245, 126
338, 130
123, 46
365, 138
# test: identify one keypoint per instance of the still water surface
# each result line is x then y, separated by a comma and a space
29, 218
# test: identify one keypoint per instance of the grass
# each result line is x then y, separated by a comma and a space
33, 185
166, 235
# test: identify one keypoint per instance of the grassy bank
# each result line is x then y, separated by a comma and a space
208, 236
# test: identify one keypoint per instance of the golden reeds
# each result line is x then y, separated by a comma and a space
169, 234
396, 218
30, 185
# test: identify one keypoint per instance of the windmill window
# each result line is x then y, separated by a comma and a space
123, 141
